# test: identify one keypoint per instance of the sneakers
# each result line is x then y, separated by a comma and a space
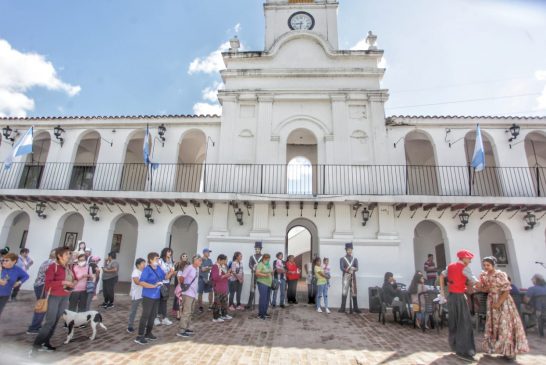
150, 337
32, 332
227, 317
130, 330
47, 348
262, 318
327, 310
141, 340
201, 309
166, 321
157, 322
184, 334
465, 357
189, 331
231, 308
240, 308
319, 310
218, 320
110, 306
282, 306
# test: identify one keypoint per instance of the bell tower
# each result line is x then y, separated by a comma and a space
318, 16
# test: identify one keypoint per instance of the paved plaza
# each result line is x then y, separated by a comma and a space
296, 335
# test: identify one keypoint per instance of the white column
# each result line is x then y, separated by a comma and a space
342, 213
261, 220
220, 219
386, 224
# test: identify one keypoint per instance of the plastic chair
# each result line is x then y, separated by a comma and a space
384, 307
429, 309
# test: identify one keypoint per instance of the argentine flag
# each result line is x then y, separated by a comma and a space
21, 148
146, 150
478, 160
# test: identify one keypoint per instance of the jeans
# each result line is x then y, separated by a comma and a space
220, 305
322, 292
77, 301
149, 312
292, 289
15, 291
132, 312
235, 290
162, 311
282, 289
108, 286
264, 291
55, 308
187, 311
3, 301
37, 318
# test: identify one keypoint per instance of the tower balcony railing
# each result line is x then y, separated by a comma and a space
314, 180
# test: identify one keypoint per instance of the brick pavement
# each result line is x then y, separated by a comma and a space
294, 336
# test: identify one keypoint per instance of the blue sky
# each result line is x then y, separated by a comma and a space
130, 57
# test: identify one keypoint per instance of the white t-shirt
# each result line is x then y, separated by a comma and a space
136, 290
166, 267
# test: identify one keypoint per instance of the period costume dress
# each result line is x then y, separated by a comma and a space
349, 266
253, 261
504, 332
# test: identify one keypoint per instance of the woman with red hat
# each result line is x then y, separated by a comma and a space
461, 335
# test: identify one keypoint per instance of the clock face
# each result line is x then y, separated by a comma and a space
301, 21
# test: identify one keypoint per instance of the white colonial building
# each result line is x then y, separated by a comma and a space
302, 154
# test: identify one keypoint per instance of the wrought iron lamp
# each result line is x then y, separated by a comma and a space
40, 208
58, 132
93, 211
365, 216
463, 217
161, 130
148, 213
6, 132
239, 216
514, 131
531, 221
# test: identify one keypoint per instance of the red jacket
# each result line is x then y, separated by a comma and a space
456, 278
292, 267
54, 277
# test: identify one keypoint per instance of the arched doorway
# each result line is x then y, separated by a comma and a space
495, 240
17, 231
429, 238
486, 182
83, 171
192, 153
71, 230
35, 163
302, 160
123, 242
421, 166
183, 236
302, 241
535, 149
135, 172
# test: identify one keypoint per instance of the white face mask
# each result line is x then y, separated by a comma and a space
81, 263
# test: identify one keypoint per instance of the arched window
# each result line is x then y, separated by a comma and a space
421, 166
300, 176
535, 149
34, 166
83, 172
485, 182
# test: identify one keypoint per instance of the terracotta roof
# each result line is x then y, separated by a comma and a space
463, 117
113, 117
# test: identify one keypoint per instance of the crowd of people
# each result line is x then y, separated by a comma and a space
70, 280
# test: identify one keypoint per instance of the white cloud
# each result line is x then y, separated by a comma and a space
541, 76
21, 72
207, 109
211, 63
237, 28
211, 93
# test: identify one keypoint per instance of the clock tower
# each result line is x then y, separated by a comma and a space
319, 16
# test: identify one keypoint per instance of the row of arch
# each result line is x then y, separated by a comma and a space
422, 173
494, 239
182, 236
134, 175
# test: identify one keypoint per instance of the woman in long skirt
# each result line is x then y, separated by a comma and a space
504, 333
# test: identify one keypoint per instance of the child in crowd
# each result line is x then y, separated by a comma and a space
326, 269
136, 292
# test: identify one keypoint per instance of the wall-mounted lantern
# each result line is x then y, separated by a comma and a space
239, 216
148, 213
58, 132
93, 211
463, 217
40, 208
365, 216
514, 131
531, 221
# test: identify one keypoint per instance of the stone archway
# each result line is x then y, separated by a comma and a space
430, 238
535, 149
183, 236
486, 182
85, 160
70, 228
124, 241
15, 230
302, 159
421, 165
495, 240
192, 153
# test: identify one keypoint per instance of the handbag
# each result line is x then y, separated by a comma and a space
41, 304
163, 289
275, 284
186, 287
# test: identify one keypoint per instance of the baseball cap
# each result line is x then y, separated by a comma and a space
205, 250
